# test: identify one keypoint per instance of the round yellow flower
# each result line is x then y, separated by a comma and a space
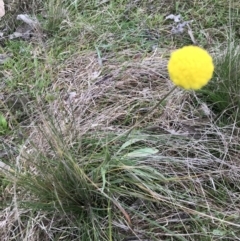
190, 67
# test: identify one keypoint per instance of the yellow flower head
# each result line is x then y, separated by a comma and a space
190, 67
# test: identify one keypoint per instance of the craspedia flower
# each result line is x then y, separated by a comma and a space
190, 67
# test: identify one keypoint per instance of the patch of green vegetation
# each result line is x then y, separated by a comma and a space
88, 185
222, 93
117, 25
3, 124
27, 68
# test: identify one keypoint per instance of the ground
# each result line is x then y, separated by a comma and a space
82, 157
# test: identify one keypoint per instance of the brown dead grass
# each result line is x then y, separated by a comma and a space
106, 95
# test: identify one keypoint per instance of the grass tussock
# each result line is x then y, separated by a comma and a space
223, 92
70, 169
191, 182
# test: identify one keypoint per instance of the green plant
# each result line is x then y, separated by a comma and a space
28, 69
222, 93
91, 188
3, 124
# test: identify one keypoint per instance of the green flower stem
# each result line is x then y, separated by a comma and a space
151, 110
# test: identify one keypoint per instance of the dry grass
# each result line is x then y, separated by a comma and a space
113, 92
